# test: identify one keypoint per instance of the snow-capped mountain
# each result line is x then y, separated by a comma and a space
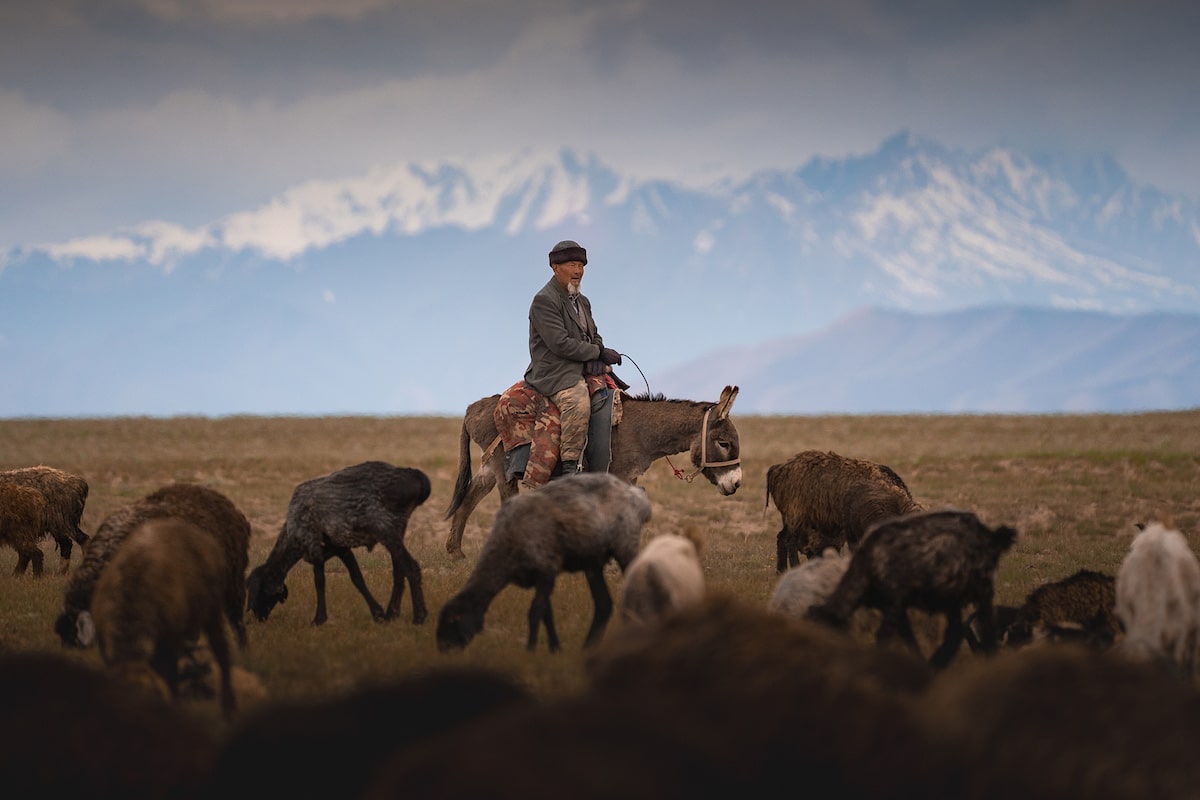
405, 290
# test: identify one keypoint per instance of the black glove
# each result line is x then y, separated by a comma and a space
610, 356
594, 367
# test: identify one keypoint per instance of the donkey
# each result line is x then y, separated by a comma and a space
650, 428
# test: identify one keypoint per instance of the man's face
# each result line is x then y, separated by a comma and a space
569, 274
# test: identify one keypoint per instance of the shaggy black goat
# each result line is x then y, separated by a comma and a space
576, 524
205, 508
65, 495
934, 561
357, 506
828, 500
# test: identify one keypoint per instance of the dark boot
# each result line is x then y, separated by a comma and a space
568, 468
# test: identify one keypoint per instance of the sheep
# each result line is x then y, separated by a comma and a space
935, 561
718, 700
22, 511
829, 500
65, 495
809, 584
206, 508
1158, 600
72, 729
360, 505
572, 525
355, 730
1065, 722
663, 578
164, 587
1078, 608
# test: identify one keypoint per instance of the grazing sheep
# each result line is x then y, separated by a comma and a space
164, 587
1063, 722
572, 525
357, 506
205, 508
69, 729
22, 511
1158, 600
663, 578
1078, 608
827, 500
934, 561
719, 700
808, 585
65, 495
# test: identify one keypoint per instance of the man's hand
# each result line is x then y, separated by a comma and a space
610, 356
593, 367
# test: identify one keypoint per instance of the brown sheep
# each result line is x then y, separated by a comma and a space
204, 507
829, 500
65, 495
164, 587
1079, 608
1046, 723
933, 561
22, 511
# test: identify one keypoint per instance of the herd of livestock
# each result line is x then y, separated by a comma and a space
1087, 689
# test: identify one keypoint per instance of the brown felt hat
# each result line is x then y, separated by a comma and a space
565, 251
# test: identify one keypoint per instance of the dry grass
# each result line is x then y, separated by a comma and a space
1073, 486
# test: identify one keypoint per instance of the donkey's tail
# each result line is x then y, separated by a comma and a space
464, 471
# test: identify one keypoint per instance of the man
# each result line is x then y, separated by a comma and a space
564, 347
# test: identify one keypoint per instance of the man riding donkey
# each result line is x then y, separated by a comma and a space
563, 410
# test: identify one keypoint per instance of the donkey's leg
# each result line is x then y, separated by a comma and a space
478, 489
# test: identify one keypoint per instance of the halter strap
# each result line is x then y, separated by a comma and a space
704, 462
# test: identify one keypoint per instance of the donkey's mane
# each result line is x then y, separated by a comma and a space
658, 397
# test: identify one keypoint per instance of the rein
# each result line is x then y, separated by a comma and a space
704, 462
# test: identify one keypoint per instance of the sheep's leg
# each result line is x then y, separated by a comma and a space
952, 640
602, 603
985, 616
165, 662
346, 555
405, 567
781, 550
219, 646
541, 611
64, 553
895, 621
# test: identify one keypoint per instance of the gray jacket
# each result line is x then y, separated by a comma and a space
558, 345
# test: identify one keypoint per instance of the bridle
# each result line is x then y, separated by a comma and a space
704, 462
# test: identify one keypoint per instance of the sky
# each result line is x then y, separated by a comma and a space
175, 114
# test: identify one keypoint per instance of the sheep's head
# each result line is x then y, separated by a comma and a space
262, 596
75, 628
457, 624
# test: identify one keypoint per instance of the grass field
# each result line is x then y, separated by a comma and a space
1073, 487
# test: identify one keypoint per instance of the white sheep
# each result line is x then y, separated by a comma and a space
577, 524
665, 577
810, 584
165, 586
1158, 600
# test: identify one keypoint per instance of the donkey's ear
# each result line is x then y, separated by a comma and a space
728, 395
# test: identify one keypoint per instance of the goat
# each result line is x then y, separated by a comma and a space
935, 561
1076, 608
576, 524
829, 500
357, 506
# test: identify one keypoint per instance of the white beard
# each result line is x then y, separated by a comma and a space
573, 288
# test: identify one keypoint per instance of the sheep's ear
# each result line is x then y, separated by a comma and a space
728, 395
85, 629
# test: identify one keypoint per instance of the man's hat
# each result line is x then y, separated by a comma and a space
565, 251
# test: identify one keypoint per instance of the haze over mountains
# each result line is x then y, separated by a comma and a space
915, 278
